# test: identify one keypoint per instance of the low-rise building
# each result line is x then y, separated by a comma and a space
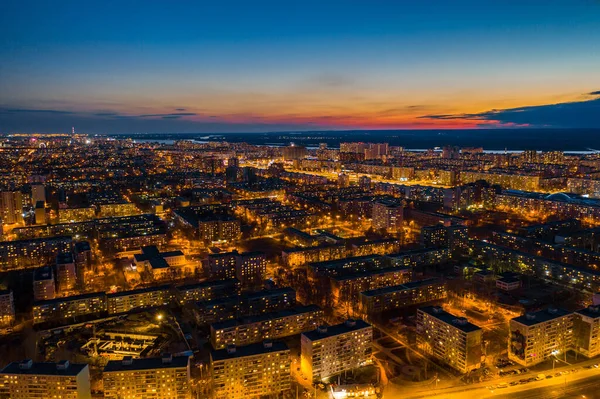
161, 265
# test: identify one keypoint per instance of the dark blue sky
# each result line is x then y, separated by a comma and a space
276, 65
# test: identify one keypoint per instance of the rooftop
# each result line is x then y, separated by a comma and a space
338, 329
248, 350
460, 323
69, 298
591, 312
140, 291
530, 319
147, 363
401, 287
267, 316
63, 368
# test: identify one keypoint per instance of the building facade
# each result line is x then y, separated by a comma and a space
252, 371
64, 380
329, 351
166, 377
449, 338
535, 337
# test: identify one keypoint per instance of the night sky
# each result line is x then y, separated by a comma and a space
249, 66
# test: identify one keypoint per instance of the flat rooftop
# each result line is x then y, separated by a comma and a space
73, 369
264, 317
402, 287
542, 316
458, 322
248, 350
338, 329
146, 364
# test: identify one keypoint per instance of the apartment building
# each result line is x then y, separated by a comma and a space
27, 380
252, 371
449, 338
535, 337
328, 351
166, 377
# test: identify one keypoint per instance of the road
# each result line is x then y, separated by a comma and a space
585, 388
584, 382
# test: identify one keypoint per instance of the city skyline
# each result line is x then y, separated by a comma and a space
236, 67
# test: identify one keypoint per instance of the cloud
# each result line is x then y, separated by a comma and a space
35, 111
577, 114
332, 80
595, 93
180, 109
403, 110
174, 114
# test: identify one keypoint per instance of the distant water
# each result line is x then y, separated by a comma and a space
489, 139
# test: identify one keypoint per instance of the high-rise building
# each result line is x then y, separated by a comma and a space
252, 371
38, 193
586, 331
388, 216
251, 268
40, 212
535, 337
82, 252
11, 207
66, 273
26, 380
343, 180
449, 338
166, 377
7, 308
294, 152
328, 351
44, 287
222, 265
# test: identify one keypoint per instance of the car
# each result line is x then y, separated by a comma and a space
523, 370
588, 367
595, 366
549, 376
557, 374
491, 387
524, 380
503, 385
512, 384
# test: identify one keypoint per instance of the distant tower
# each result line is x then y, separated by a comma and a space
73, 130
